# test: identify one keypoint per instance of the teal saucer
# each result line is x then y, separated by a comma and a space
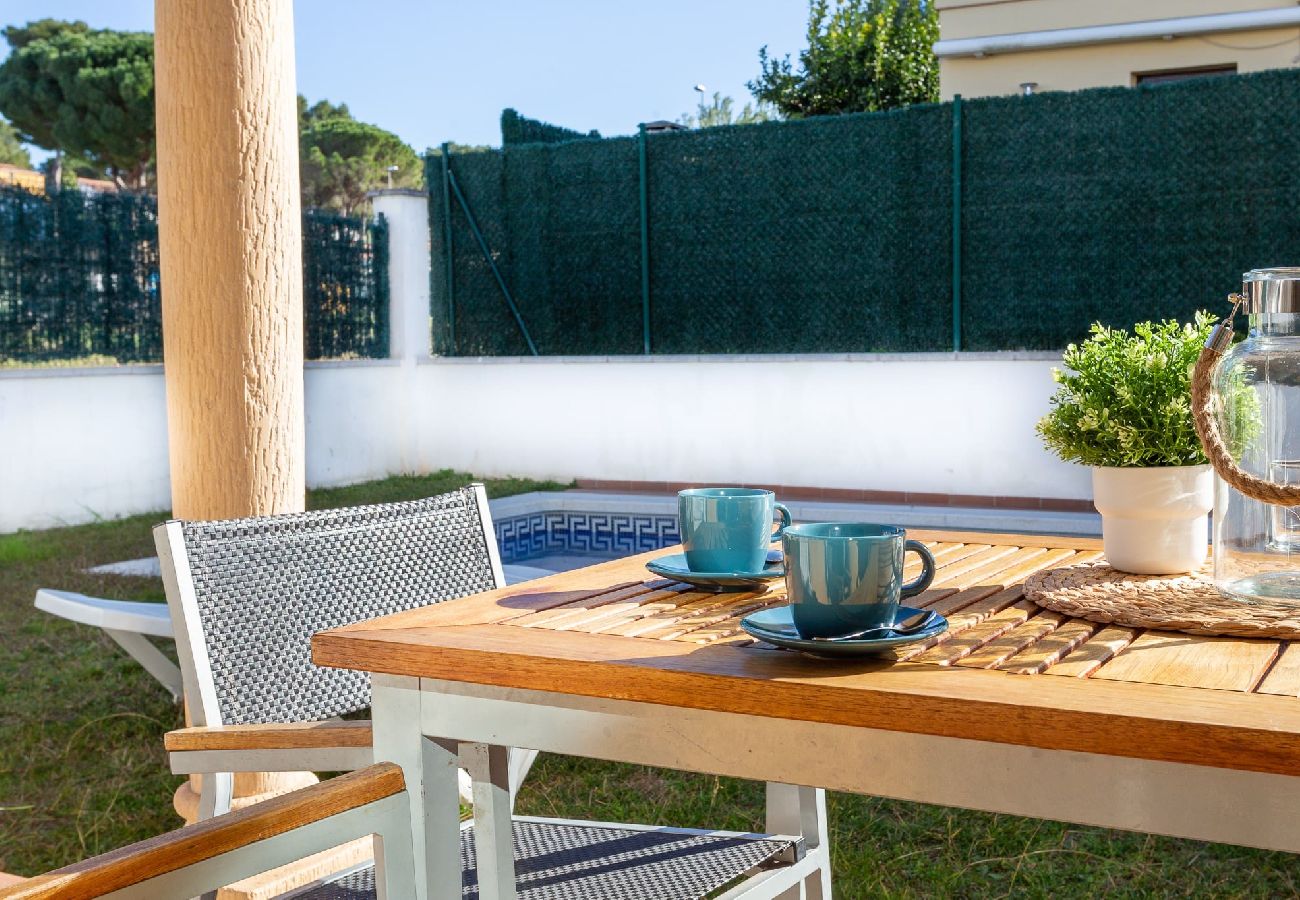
776, 626
675, 567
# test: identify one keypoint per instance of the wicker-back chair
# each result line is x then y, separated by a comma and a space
246, 595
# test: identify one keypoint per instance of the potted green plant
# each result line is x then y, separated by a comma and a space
1123, 407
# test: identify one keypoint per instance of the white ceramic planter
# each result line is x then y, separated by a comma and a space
1154, 521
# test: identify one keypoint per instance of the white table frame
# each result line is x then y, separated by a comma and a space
414, 718
411, 728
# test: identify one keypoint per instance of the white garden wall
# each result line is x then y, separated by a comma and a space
931, 423
80, 444
86, 443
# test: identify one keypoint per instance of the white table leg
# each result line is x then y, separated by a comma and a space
793, 809
430, 768
489, 768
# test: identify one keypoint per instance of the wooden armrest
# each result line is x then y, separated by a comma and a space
212, 837
293, 736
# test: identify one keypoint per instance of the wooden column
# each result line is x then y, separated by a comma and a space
230, 235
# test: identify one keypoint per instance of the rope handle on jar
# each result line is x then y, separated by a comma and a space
1207, 423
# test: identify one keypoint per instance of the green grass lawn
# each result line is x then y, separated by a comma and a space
82, 768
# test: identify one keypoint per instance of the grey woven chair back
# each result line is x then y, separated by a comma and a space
263, 586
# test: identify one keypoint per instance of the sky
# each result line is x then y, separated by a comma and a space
433, 71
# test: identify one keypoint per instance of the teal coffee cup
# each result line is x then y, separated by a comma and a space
844, 578
728, 529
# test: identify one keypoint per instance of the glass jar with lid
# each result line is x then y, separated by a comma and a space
1256, 404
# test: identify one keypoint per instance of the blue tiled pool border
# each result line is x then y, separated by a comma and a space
602, 534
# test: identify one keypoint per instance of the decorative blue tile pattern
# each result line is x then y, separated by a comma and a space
608, 535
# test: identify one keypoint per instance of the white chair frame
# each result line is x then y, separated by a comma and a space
251, 850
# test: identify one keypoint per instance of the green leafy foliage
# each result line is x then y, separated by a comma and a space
862, 56
1126, 398
722, 111
342, 159
86, 92
20, 36
89, 95
319, 112
517, 129
12, 151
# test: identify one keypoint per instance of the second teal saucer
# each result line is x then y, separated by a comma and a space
775, 626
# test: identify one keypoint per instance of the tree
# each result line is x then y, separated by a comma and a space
20, 36
319, 112
12, 151
69, 170
341, 159
862, 56
87, 93
721, 111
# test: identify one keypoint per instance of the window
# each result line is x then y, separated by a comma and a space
1165, 76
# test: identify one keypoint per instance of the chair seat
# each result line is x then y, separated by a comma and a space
563, 861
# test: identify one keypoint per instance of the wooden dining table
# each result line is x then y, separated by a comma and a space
1014, 709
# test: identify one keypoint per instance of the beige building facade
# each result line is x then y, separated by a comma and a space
993, 47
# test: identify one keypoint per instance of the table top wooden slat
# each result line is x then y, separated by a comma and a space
1006, 645
954, 569
614, 631
1284, 676
1095, 652
969, 634
1220, 663
1050, 648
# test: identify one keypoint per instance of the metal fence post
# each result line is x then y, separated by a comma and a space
491, 263
645, 240
446, 243
956, 222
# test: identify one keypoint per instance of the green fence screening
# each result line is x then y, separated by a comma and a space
1134, 204
345, 285
836, 234
517, 129
79, 279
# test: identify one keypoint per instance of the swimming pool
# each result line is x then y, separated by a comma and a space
542, 533
556, 540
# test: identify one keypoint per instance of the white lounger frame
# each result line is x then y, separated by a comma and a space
125, 621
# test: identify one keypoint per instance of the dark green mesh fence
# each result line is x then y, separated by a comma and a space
345, 285
517, 129
835, 234
1120, 205
800, 237
79, 278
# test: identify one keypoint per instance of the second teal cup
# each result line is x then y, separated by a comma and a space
844, 578
728, 529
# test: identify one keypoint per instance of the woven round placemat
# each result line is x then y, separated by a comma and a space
1189, 603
